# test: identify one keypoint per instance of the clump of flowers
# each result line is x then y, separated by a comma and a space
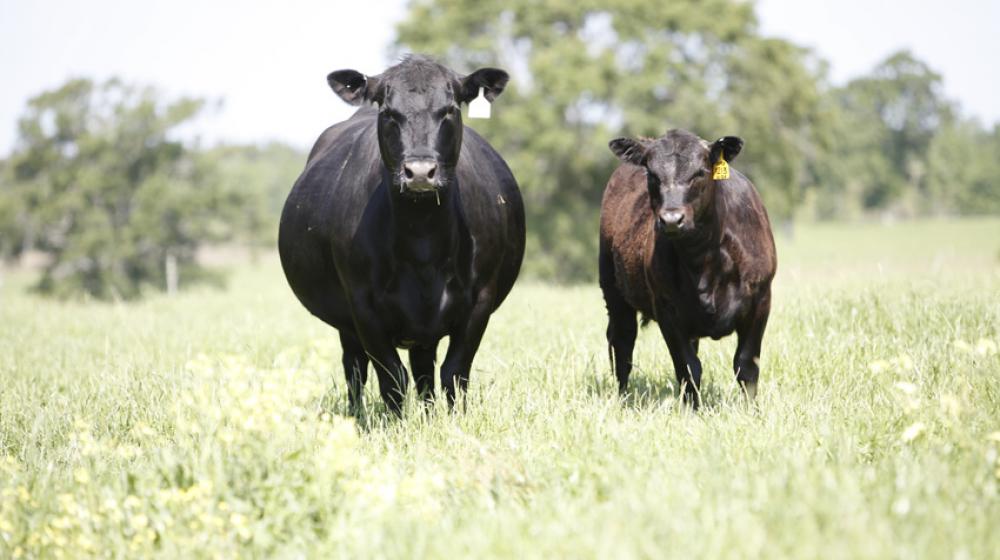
241, 457
982, 347
900, 363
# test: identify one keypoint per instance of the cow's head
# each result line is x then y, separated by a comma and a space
679, 169
419, 119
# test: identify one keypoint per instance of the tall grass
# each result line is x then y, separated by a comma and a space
212, 424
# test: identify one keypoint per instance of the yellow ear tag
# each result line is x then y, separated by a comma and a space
721, 169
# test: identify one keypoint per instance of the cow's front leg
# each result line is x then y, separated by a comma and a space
355, 362
422, 366
392, 375
750, 333
687, 366
462, 348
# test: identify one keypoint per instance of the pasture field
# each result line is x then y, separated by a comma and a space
211, 424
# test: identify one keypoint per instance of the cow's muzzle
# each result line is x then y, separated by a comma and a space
671, 222
420, 176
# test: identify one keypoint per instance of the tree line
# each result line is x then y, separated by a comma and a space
886, 143
102, 182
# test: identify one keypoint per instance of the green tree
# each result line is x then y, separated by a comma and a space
10, 210
963, 163
263, 175
101, 184
892, 116
585, 72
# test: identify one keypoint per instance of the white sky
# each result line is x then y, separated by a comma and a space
269, 60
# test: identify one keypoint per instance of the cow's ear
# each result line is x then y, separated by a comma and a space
630, 150
491, 80
728, 146
353, 87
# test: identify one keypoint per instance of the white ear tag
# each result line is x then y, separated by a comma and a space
479, 108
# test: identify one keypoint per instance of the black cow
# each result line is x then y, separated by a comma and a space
405, 227
688, 248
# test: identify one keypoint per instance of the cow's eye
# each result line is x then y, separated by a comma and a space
698, 174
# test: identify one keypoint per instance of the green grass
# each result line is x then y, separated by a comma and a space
210, 424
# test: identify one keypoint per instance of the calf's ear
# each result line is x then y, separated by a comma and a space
728, 146
491, 80
353, 87
630, 150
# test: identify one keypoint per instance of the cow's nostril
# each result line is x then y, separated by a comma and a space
672, 220
430, 173
408, 172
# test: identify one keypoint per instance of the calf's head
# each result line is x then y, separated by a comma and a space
679, 169
419, 119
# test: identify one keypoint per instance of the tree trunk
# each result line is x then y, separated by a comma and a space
171, 272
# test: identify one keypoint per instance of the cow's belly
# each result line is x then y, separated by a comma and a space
720, 318
420, 312
313, 278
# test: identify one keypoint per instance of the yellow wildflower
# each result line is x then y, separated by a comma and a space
913, 432
878, 366
81, 476
904, 361
139, 521
906, 387
986, 347
950, 404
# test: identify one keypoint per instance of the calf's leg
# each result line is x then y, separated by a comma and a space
687, 366
750, 333
622, 325
622, 331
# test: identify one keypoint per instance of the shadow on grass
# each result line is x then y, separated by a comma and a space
374, 415
647, 390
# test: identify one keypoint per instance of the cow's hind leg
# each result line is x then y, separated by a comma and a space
621, 334
355, 363
746, 361
422, 366
622, 325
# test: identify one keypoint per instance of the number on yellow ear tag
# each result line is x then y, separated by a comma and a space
721, 169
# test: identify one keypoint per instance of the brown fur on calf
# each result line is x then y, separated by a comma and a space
691, 252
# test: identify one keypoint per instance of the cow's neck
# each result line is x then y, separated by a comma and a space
698, 254
424, 229
692, 249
